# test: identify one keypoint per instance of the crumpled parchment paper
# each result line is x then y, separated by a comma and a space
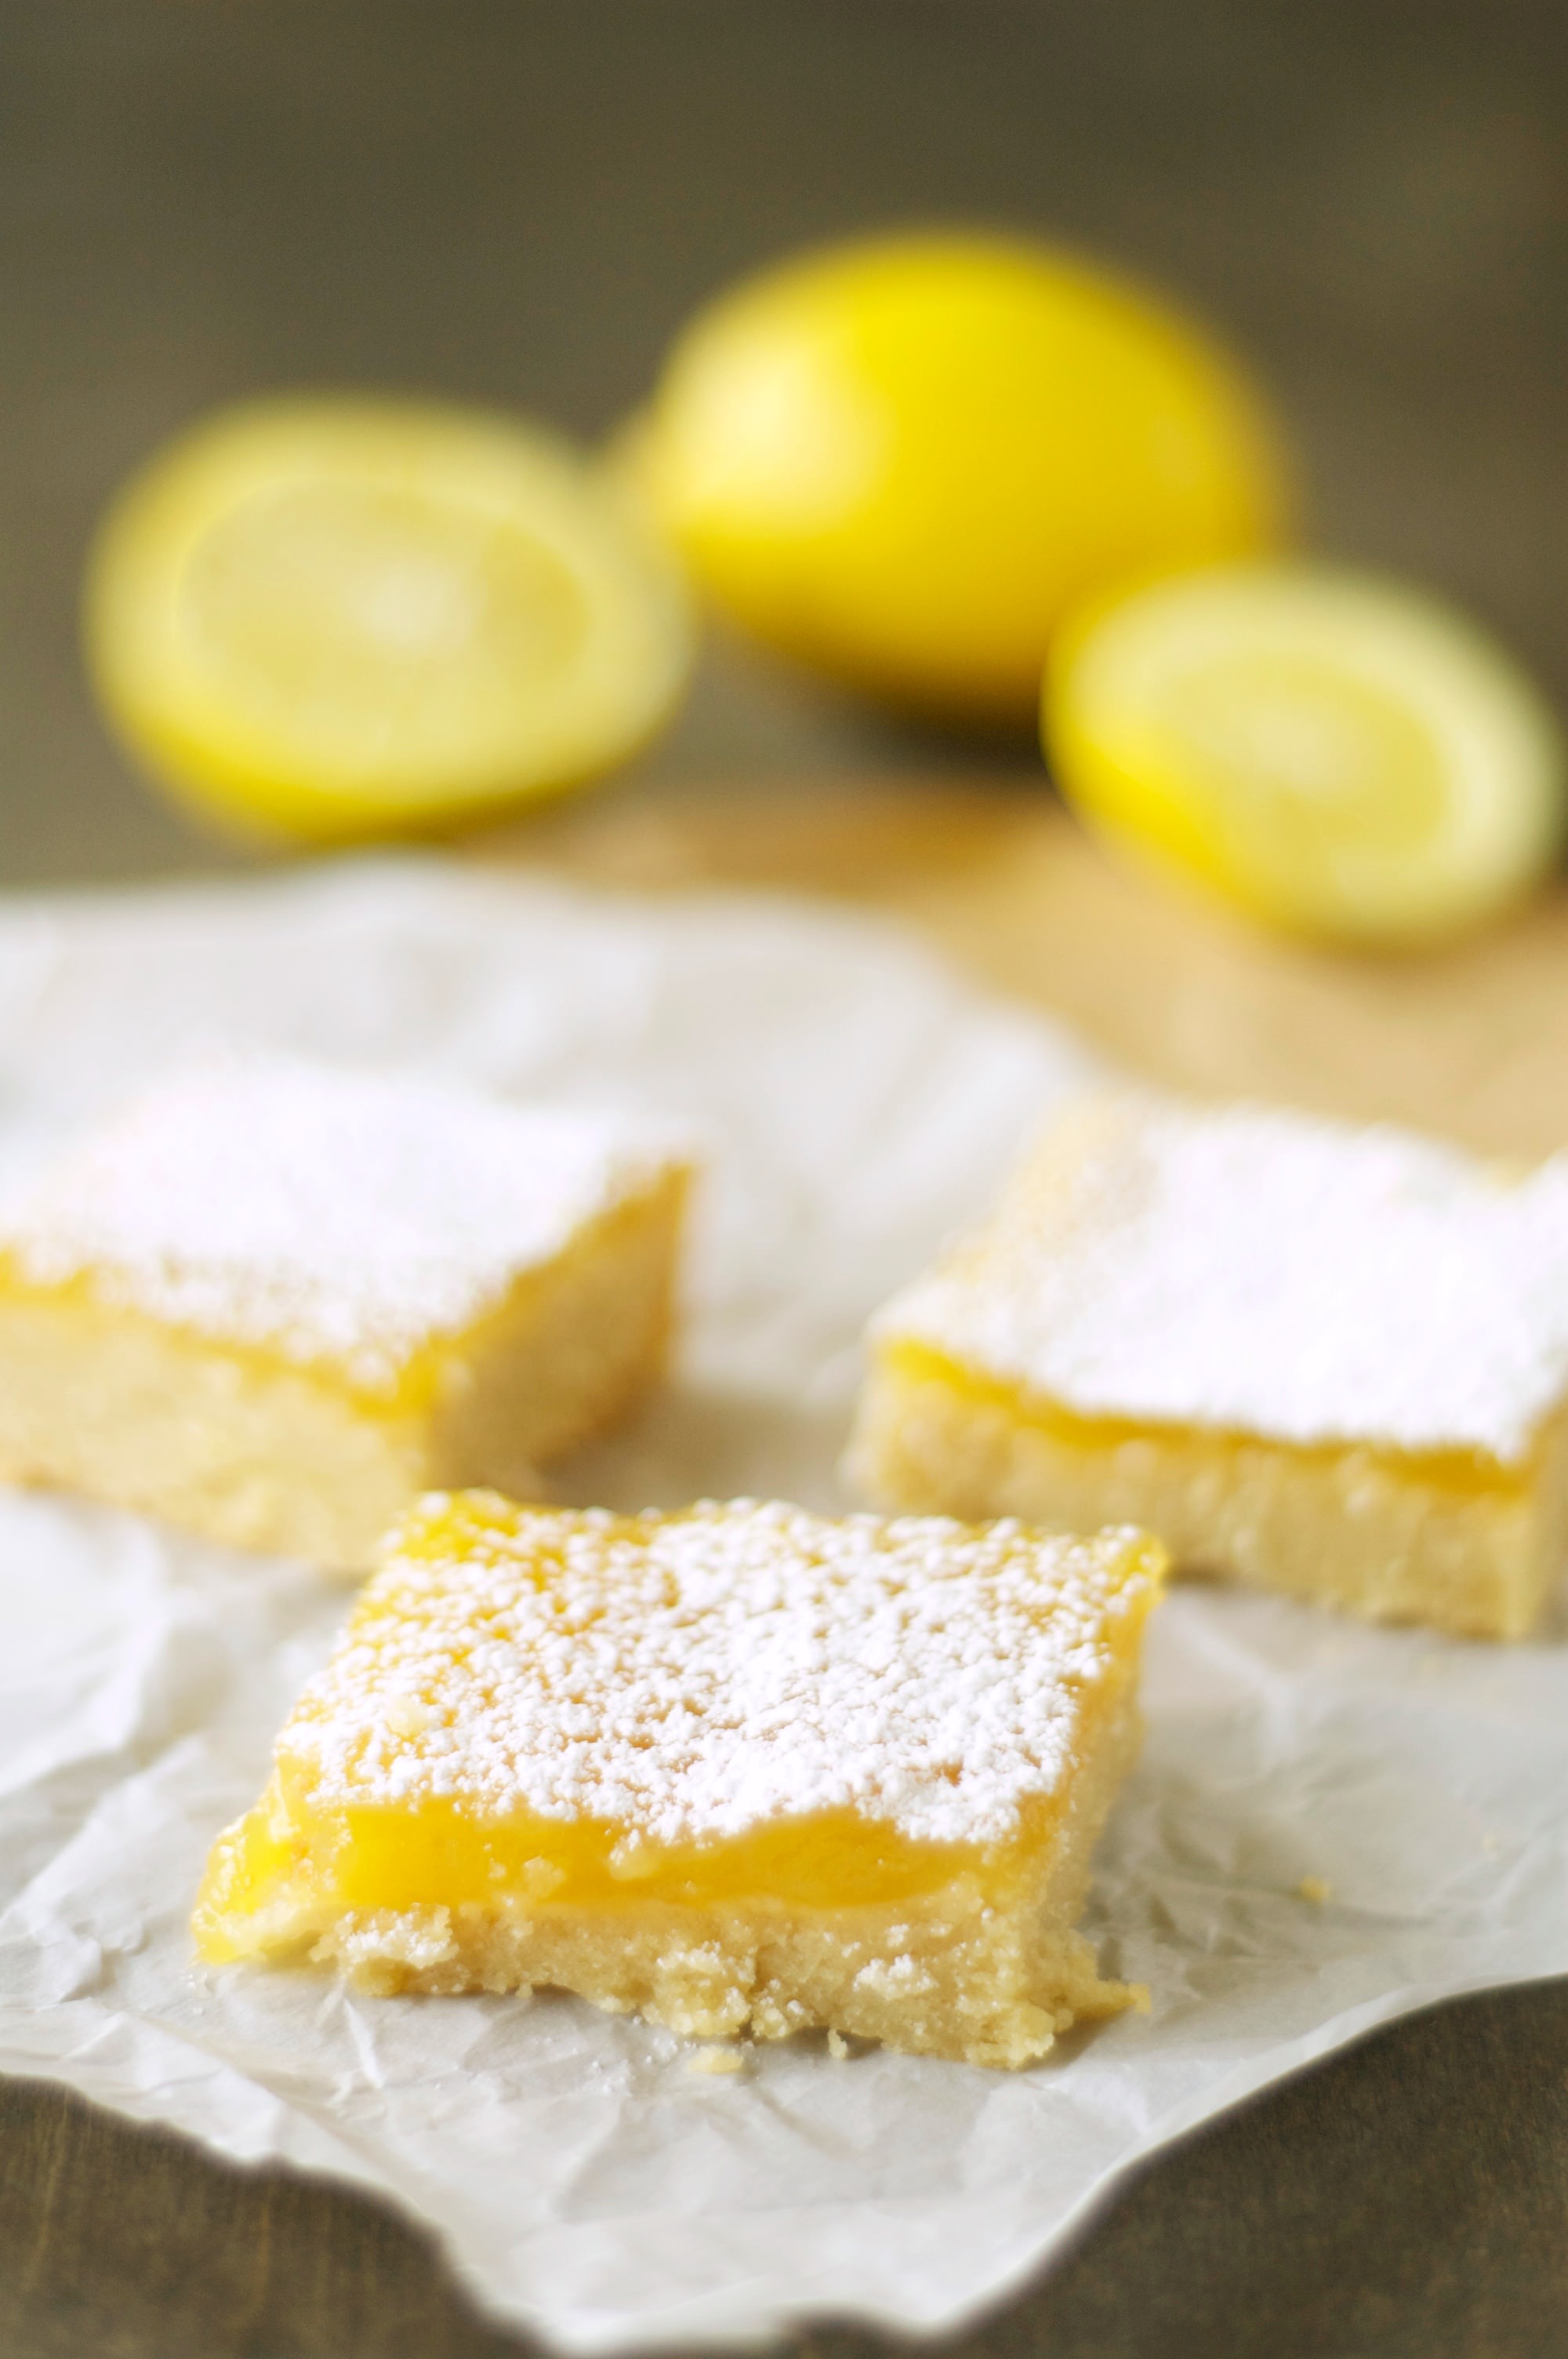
857, 1104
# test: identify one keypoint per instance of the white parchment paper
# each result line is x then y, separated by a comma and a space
585, 2182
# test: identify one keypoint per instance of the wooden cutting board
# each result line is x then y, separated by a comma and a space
1472, 1042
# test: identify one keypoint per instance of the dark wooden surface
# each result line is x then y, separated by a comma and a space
517, 201
1405, 2201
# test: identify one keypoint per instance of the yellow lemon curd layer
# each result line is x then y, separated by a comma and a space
288, 1863
1470, 1473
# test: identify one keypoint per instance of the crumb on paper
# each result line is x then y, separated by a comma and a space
1138, 1998
1316, 1889
715, 2060
838, 2046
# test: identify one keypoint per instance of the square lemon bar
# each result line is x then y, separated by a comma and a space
276, 1302
1326, 1360
736, 1766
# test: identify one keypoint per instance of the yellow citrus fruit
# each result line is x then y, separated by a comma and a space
1330, 752
337, 617
902, 460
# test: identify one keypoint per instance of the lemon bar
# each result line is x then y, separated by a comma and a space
1324, 1359
276, 1301
736, 1767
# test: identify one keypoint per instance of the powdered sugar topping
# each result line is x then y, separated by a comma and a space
1269, 1274
691, 1676
328, 1214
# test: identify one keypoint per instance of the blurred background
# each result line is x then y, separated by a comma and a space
520, 202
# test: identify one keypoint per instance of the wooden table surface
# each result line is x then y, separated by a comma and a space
1472, 1041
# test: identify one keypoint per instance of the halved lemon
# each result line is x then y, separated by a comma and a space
336, 618
1332, 753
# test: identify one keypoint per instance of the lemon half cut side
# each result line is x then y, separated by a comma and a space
1332, 753
332, 617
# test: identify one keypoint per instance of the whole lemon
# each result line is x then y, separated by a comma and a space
902, 458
